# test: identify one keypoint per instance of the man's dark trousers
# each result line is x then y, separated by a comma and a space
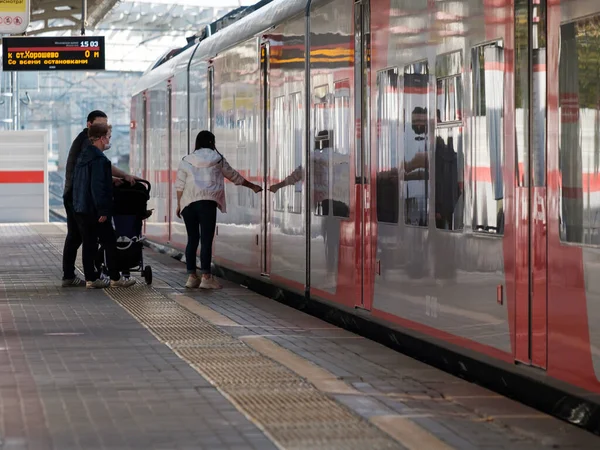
72, 242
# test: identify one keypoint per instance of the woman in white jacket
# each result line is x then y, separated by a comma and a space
200, 189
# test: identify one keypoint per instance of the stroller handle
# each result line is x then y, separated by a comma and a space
147, 183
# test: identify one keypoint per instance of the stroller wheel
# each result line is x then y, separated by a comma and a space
148, 274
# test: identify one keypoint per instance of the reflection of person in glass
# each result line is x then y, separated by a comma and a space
416, 171
448, 188
323, 199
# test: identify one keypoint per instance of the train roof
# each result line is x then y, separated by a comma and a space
266, 14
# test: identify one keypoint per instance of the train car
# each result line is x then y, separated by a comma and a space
433, 165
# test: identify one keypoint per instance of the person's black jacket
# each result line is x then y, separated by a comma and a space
92, 183
78, 145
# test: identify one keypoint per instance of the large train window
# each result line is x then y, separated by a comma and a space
320, 156
449, 156
388, 124
487, 138
278, 143
416, 143
340, 156
579, 142
294, 159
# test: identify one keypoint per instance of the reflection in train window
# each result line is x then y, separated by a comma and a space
340, 156
241, 150
278, 142
294, 160
320, 155
416, 142
449, 99
487, 142
388, 123
449, 178
579, 143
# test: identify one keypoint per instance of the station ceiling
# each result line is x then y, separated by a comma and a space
137, 32
62, 15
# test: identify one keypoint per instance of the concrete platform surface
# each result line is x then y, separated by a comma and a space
162, 367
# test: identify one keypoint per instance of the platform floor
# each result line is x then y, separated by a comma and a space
163, 367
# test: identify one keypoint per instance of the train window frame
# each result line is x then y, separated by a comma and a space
449, 126
319, 93
479, 109
340, 145
396, 213
409, 69
577, 107
278, 142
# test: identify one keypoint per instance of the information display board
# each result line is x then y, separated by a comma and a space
53, 53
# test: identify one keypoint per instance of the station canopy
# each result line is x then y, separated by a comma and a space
137, 32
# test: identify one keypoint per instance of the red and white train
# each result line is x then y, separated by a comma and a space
445, 159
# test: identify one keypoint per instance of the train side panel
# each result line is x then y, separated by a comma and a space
438, 171
179, 148
573, 193
236, 126
157, 159
286, 237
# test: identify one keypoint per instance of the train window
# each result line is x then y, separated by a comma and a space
340, 189
487, 138
579, 140
388, 124
294, 160
416, 143
278, 143
521, 81
449, 156
320, 157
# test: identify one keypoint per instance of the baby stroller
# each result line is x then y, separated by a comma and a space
130, 210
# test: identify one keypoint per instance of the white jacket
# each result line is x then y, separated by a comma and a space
201, 176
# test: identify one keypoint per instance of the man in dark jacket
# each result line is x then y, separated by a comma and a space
93, 203
73, 240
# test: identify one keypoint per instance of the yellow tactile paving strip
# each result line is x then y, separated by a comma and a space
290, 410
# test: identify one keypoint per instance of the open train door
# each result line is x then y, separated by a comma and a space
531, 244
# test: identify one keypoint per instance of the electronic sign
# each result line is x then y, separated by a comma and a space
53, 53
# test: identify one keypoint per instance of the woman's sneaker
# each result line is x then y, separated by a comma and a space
73, 282
193, 282
96, 284
210, 283
122, 283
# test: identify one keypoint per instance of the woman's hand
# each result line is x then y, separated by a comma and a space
256, 188
178, 212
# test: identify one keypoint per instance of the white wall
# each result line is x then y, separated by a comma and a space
23, 176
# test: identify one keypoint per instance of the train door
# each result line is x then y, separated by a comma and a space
362, 113
264, 140
531, 191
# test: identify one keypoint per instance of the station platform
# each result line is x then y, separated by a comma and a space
162, 367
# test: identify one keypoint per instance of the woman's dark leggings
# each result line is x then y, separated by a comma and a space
200, 222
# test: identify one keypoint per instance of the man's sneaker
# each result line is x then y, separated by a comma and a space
122, 282
73, 282
210, 283
193, 282
97, 284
